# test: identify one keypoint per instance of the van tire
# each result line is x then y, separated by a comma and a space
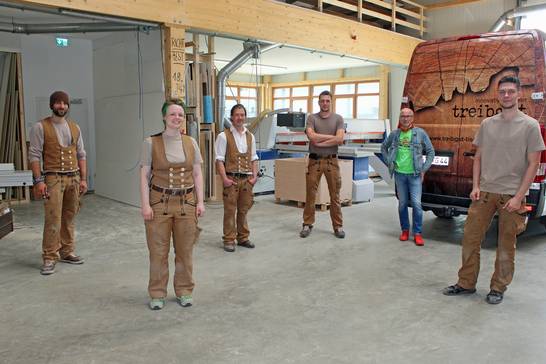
441, 213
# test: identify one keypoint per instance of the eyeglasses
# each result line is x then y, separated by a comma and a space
406, 116
507, 92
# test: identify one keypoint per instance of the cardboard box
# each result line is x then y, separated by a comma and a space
290, 176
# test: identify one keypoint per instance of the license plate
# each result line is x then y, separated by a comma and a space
439, 160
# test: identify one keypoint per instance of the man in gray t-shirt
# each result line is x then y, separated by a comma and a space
508, 149
325, 131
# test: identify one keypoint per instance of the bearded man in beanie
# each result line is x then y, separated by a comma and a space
56, 144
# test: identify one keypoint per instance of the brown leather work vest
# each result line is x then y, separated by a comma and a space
172, 175
56, 157
237, 162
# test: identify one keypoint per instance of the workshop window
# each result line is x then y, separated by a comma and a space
352, 100
247, 96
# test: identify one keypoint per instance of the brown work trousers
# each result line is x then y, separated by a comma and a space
173, 216
238, 199
330, 168
60, 209
479, 218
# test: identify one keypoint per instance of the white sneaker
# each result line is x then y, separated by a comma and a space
157, 303
185, 301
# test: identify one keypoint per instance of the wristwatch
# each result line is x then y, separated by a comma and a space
36, 180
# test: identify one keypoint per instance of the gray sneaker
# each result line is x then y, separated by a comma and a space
157, 304
48, 268
494, 297
339, 233
306, 231
185, 301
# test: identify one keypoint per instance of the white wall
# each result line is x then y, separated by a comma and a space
471, 18
119, 129
47, 68
397, 78
10, 42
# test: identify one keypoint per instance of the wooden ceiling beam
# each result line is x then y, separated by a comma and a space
266, 20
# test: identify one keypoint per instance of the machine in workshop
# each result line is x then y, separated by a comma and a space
9, 177
282, 135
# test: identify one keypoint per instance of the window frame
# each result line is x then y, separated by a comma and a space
332, 84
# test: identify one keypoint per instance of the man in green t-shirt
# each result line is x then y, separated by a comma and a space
403, 153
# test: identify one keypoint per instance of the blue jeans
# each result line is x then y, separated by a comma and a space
409, 187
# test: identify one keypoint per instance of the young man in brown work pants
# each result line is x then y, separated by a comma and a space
325, 131
508, 148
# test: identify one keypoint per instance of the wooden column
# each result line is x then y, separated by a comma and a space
359, 10
384, 92
174, 61
393, 20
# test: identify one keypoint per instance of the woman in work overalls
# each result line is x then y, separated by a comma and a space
172, 200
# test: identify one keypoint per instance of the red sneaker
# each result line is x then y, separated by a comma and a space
418, 240
404, 236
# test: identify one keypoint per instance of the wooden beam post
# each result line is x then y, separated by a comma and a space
360, 10
174, 61
384, 91
422, 22
393, 16
198, 88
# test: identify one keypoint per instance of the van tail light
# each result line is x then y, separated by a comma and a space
541, 173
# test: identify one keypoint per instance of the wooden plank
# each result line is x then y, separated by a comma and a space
359, 6
285, 23
422, 23
377, 15
393, 16
380, 3
409, 12
410, 25
341, 4
196, 84
384, 92
450, 4
174, 47
412, 3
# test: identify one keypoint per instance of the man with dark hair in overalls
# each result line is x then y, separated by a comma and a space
58, 143
237, 164
325, 131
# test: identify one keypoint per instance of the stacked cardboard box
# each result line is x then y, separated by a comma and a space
290, 181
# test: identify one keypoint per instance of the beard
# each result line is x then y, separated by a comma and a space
60, 112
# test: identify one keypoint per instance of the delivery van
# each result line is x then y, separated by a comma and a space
452, 86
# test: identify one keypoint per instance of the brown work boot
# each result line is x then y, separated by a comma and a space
72, 259
48, 268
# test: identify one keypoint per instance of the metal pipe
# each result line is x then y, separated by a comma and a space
78, 14
515, 13
251, 50
112, 19
65, 28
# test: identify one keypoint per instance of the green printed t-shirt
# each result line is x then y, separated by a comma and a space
404, 160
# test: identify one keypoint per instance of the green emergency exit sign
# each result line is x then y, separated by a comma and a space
61, 42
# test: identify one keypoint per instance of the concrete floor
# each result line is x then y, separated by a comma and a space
366, 299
